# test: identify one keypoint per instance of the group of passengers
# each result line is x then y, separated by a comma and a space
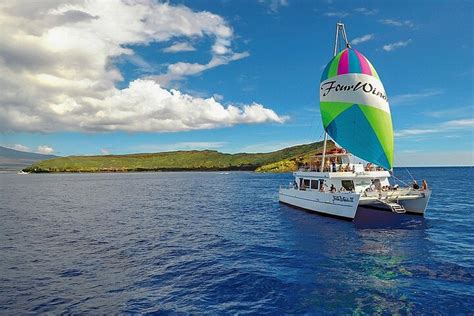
377, 187
372, 188
371, 167
330, 166
424, 185
333, 189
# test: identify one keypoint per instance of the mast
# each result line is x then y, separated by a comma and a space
339, 28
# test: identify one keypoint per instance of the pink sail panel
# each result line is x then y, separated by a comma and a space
343, 67
364, 64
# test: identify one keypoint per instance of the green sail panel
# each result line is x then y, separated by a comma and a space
354, 108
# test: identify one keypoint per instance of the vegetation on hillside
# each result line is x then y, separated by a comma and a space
293, 163
180, 161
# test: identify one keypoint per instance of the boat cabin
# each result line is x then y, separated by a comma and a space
340, 174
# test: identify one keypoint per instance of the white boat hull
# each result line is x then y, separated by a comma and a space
416, 206
335, 204
413, 201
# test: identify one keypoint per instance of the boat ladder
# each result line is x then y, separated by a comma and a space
395, 207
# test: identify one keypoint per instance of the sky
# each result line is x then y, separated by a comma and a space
113, 77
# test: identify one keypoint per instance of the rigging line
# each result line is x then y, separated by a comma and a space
345, 36
410, 174
401, 181
315, 125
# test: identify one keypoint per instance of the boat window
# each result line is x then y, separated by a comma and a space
378, 185
363, 183
306, 183
314, 184
348, 185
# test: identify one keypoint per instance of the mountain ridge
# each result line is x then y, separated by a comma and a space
12, 159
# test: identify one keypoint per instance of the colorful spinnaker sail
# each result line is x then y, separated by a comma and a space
354, 108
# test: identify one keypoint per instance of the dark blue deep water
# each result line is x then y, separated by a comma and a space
221, 243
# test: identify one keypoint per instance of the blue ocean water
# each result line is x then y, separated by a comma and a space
210, 242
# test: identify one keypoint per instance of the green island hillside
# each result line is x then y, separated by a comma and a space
283, 160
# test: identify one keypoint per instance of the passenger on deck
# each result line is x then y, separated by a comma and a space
424, 185
334, 169
318, 166
327, 165
415, 185
321, 187
372, 186
342, 189
333, 189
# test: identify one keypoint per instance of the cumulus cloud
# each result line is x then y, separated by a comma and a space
362, 39
396, 45
20, 147
57, 61
43, 149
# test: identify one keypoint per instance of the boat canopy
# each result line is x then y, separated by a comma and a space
354, 108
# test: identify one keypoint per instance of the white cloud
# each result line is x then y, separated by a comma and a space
412, 98
450, 111
460, 123
340, 14
20, 147
366, 11
274, 5
146, 106
415, 132
362, 39
444, 127
392, 46
58, 72
356, 11
104, 151
179, 47
43, 149
393, 22
217, 97
178, 71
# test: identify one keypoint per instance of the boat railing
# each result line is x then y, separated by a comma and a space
288, 186
342, 167
393, 194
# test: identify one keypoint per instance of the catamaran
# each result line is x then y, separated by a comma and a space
356, 115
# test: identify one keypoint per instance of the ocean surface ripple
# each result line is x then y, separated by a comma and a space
215, 242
